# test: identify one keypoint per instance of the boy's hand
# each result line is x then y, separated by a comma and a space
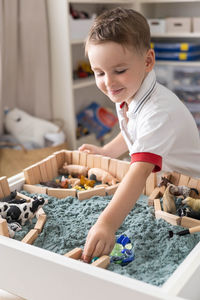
92, 149
100, 241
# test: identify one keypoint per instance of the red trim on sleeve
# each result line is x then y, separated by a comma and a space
148, 157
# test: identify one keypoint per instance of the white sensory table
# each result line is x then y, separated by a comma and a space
33, 273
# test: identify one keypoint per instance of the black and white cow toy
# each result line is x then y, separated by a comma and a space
23, 212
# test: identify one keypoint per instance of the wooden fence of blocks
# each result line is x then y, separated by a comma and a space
172, 219
48, 166
75, 158
90, 160
193, 183
83, 158
5, 190
22, 196
102, 262
40, 212
183, 180
175, 177
61, 193
75, 253
43, 171
30, 237
110, 190
32, 189
151, 184
40, 223
97, 161
60, 157
105, 160
189, 222
54, 165
122, 169
156, 193
82, 195
157, 205
68, 156
198, 186
4, 227
113, 167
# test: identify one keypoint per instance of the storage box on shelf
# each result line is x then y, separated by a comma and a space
196, 24
178, 25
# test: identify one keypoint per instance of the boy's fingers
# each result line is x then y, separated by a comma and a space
99, 249
88, 250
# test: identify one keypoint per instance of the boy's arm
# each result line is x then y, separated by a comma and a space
113, 149
101, 237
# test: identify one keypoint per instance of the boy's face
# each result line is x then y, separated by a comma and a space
119, 71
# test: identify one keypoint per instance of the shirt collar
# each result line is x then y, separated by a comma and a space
142, 94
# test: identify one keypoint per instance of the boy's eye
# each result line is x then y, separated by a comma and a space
99, 74
120, 71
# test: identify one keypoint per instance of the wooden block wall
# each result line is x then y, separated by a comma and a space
4, 187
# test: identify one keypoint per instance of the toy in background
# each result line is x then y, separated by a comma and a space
96, 119
83, 70
28, 130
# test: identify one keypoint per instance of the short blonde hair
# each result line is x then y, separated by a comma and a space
123, 26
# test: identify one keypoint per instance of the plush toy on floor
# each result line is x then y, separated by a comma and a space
26, 128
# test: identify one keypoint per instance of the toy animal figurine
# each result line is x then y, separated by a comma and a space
164, 182
193, 203
12, 198
74, 170
21, 212
52, 184
13, 227
188, 212
102, 175
182, 190
169, 201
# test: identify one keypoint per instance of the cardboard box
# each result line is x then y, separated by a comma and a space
157, 26
196, 24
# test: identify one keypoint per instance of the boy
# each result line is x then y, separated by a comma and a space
156, 127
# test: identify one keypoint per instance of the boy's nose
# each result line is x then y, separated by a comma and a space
109, 80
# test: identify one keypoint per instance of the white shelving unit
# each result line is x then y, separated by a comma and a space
69, 95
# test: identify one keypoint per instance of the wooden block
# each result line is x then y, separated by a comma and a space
36, 173
48, 167
82, 195
1, 192
4, 227
189, 222
157, 205
151, 183
102, 262
97, 161
172, 219
183, 180
61, 193
193, 183
83, 158
54, 165
60, 157
105, 160
40, 212
40, 222
30, 237
90, 160
75, 253
68, 157
43, 171
75, 157
32, 189
4, 186
175, 178
113, 166
156, 193
198, 186
22, 196
110, 190
29, 176
122, 169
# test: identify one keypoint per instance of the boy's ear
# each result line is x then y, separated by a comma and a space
150, 60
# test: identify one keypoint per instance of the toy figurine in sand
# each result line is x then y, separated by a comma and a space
169, 201
23, 212
73, 170
193, 203
102, 175
122, 252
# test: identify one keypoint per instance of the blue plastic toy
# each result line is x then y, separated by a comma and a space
122, 252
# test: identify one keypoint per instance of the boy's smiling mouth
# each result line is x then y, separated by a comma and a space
116, 91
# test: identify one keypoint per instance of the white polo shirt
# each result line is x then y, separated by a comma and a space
160, 129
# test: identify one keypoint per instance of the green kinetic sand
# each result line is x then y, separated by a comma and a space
156, 255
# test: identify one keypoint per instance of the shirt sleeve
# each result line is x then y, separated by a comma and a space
154, 139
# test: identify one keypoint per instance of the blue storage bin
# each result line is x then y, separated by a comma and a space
175, 47
178, 56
